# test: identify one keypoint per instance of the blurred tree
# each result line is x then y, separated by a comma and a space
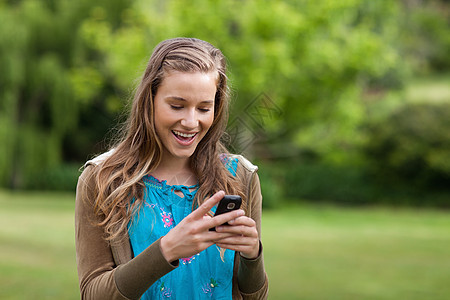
426, 40
310, 59
44, 82
299, 70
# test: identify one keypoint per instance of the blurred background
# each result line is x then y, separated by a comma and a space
343, 105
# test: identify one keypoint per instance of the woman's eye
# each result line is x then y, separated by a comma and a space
176, 107
204, 109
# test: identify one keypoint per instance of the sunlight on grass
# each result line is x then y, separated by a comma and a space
430, 90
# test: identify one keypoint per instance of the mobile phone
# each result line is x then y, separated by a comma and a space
227, 204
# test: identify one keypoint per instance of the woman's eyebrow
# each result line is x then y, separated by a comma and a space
207, 102
178, 98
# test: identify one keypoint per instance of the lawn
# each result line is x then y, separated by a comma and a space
311, 252
315, 252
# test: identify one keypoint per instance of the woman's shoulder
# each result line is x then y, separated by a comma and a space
240, 160
90, 168
99, 159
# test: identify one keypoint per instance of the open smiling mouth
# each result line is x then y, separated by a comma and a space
184, 138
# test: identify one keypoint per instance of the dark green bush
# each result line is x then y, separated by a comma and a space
272, 185
305, 180
315, 181
322, 182
62, 177
412, 147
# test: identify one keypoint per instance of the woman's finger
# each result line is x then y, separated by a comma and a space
248, 246
240, 226
224, 218
237, 230
247, 251
244, 220
207, 205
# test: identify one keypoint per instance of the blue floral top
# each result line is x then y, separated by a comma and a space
202, 276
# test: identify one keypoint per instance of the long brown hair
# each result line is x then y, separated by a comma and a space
138, 150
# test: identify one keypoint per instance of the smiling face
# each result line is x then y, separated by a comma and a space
184, 111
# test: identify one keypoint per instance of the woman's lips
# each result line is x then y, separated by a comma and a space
184, 139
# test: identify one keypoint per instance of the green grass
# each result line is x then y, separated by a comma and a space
37, 246
341, 253
311, 252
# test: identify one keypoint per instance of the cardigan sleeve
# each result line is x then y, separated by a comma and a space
252, 277
99, 275
95, 262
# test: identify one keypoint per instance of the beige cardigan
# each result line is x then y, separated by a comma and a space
109, 270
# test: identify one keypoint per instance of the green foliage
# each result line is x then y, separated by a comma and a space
68, 67
426, 41
412, 146
61, 177
306, 56
323, 182
45, 84
310, 179
272, 185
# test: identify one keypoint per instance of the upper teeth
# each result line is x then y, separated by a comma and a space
188, 135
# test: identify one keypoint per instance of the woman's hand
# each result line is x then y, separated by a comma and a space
243, 237
192, 234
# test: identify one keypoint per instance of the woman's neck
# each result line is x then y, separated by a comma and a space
175, 172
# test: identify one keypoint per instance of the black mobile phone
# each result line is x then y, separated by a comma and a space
227, 204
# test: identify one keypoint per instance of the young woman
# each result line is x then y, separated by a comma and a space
144, 209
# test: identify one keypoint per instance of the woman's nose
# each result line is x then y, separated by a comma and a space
190, 119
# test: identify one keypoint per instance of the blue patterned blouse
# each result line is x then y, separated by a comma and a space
202, 276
